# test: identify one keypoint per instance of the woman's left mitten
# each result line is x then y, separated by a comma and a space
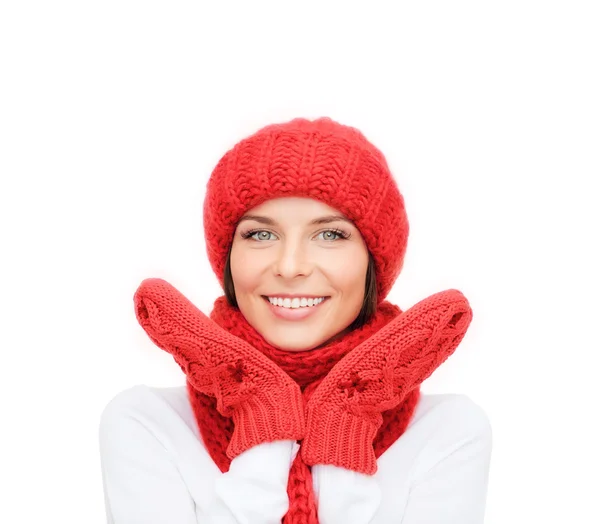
264, 402
345, 411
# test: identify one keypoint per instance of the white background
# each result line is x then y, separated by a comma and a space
113, 114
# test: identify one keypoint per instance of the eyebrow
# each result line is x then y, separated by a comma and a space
321, 220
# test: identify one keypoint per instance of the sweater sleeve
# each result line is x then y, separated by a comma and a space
454, 488
345, 496
142, 483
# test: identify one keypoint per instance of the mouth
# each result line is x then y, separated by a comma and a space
299, 313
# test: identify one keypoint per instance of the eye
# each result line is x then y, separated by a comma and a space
329, 234
334, 232
252, 232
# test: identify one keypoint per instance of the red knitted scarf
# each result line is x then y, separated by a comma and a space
308, 369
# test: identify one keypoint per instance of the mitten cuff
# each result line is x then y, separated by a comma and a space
267, 417
340, 438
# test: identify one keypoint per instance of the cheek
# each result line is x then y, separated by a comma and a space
245, 269
355, 282
348, 273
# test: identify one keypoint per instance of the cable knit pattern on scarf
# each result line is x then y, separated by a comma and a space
346, 402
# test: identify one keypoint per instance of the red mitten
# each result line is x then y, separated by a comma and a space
344, 412
264, 402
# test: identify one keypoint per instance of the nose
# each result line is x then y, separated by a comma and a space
292, 260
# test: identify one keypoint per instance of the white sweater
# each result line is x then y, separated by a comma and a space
156, 470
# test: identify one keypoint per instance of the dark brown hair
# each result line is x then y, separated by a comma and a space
367, 310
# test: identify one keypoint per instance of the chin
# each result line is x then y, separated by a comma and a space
297, 346
287, 343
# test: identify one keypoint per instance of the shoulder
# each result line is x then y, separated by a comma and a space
143, 396
453, 411
126, 400
158, 410
450, 425
138, 399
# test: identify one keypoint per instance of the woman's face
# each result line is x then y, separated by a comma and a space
286, 252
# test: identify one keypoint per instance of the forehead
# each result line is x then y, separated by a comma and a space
294, 211
300, 204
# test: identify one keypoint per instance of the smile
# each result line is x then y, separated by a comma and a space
299, 313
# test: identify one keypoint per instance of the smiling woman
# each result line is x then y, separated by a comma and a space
296, 257
302, 399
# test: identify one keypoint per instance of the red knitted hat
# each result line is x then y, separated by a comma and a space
320, 159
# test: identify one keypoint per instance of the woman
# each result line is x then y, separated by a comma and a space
302, 399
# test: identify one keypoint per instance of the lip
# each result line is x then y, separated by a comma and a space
293, 314
295, 295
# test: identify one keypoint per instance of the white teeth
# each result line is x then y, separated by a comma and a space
296, 302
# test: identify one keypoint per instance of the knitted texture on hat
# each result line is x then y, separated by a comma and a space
319, 159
